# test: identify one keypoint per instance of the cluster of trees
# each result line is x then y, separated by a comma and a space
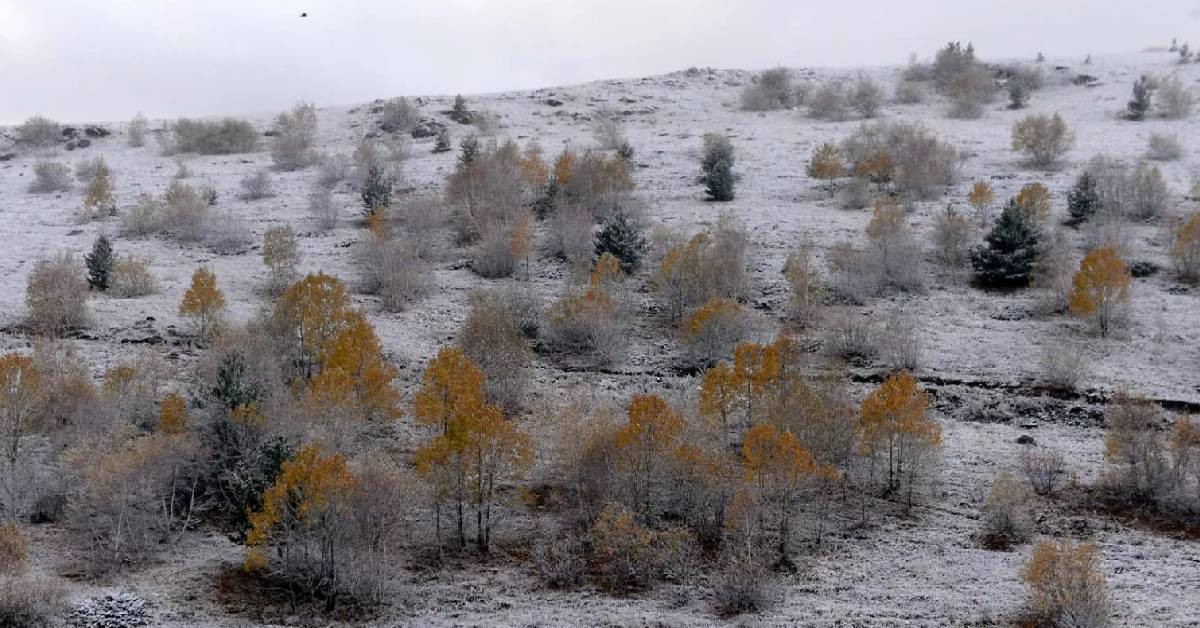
889, 157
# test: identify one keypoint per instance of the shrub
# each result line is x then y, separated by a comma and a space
572, 235
332, 170
828, 102
322, 208
952, 234
770, 90
1163, 147
1148, 192
86, 169
1100, 289
909, 93
1083, 199
38, 132
98, 198
1033, 200
1005, 517
866, 97
899, 342
1185, 251
717, 167
608, 129
131, 278
14, 550
49, 176
99, 264
1174, 99
399, 116
392, 270
711, 332
29, 602
485, 190
906, 155
294, 139
257, 186
804, 286
969, 90
621, 237
204, 303
1063, 364
825, 164
850, 336
627, 556
743, 585
561, 562
137, 131
856, 194
1043, 139
1043, 468
585, 322
1007, 260
281, 255
229, 235
950, 62
492, 338
1134, 446
707, 266
1137, 107
56, 296
212, 137
892, 254
1066, 584
185, 213
1018, 94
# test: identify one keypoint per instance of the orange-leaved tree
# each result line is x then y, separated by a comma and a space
354, 375
203, 302
895, 431
312, 311
172, 414
643, 444
1100, 288
20, 393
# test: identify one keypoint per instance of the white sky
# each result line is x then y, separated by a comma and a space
86, 60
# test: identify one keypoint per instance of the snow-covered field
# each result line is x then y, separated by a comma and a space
920, 570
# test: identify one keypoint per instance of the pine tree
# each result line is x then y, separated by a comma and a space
442, 143
1083, 199
623, 239
717, 167
99, 264
1140, 104
1012, 247
376, 189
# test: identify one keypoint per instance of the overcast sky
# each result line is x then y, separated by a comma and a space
92, 60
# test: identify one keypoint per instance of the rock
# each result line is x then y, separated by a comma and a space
427, 128
270, 133
553, 102
8, 156
1025, 439
69, 132
71, 145
83, 142
96, 131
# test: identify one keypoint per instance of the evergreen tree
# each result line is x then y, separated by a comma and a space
232, 388
442, 145
717, 167
99, 264
467, 149
1012, 247
622, 238
1084, 199
1140, 103
376, 189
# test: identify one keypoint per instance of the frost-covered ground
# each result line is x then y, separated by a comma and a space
923, 570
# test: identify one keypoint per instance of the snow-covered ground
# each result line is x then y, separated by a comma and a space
923, 570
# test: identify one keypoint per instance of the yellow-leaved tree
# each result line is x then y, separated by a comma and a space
981, 198
354, 376
20, 392
172, 414
643, 444
312, 311
1100, 288
825, 164
1066, 584
1185, 252
895, 432
203, 302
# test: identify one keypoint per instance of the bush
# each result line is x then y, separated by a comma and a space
257, 186
399, 116
716, 166
628, 557
14, 550
131, 278
1063, 364
856, 194
969, 91
211, 137
608, 129
711, 332
56, 296
86, 169
622, 238
322, 208
892, 254
950, 62
849, 336
866, 97
952, 234
804, 287
185, 214
1148, 192
492, 338
28, 602
137, 131
393, 271
49, 176
38, 132
1083, 199
1066, 584
1005, 518
1162, 147
572, 235
825, 164
229, 235
1185, 250
908, 156
709, 265
1007, 260
1134, 446
828, 102
1043, 139
99, 264
770, 90
910, 93
281, 255
743, 585
899, 342
332, 170
1043, 468
1174, 99
294, 139
561, 562
485, 190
